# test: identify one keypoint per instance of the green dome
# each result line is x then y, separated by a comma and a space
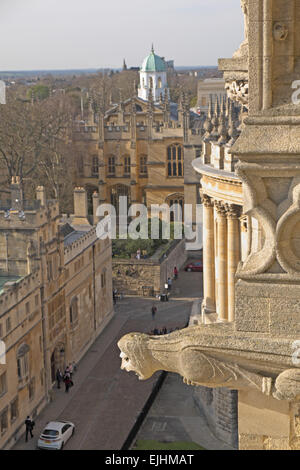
153, 63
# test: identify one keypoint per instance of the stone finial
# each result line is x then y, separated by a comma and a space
208, 127
150, 101
233, 132
215, 120
222, 129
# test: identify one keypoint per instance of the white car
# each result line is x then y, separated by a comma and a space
55, 435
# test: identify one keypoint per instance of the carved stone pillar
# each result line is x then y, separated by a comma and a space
222, 308
233, 213
209, 303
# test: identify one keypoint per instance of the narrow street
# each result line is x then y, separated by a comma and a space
106, 401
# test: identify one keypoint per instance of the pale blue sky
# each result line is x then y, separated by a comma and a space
64, 34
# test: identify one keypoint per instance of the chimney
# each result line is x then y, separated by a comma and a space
95, 207
41, 195
80, 207
16, 194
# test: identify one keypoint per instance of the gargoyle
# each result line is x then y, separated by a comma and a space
145, 355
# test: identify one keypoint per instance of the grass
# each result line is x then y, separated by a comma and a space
156, 445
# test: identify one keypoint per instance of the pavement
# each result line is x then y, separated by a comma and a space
174, 417
105, 401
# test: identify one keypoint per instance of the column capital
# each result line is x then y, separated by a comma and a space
207, 201
233, 211
220, 208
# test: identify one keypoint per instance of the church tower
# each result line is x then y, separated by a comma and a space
153, 76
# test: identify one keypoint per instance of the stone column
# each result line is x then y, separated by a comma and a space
233, 250
209, 295
222, 262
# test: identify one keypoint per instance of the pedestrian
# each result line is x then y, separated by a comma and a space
175, 273
67, 372
29, 427
71, 370
153, 311
68, 383
59, 377
74, 366
169, 284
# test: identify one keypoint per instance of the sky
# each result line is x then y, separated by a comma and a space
78, 34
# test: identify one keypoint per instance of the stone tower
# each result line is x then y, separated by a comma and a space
153, 77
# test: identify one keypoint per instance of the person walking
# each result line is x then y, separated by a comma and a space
175, 273
153, 311
71, 370
67, 372
169, 284
29, 427
59, 377
68, 383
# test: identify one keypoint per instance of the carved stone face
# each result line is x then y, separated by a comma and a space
280, 31
135, 356
128, 365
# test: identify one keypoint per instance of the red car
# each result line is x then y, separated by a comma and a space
195, 266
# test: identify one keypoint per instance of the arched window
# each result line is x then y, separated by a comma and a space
126, 166
111, 166
143, 165
175, 160
80, 166
95, 166
159, 83
150, 82
23, 361
74, 310
116, 192
176, 201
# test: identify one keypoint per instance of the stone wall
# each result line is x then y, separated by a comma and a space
220, 407
147, 277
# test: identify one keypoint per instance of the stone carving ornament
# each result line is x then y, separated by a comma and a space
178, 352
237, 90
280, 31
243, 49
275, 204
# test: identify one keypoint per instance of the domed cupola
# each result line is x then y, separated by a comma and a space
153, 75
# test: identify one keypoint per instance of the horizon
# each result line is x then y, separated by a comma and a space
63, 35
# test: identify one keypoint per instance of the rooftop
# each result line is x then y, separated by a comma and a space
6, 277
153, 63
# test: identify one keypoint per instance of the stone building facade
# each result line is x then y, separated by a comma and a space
207, 89
55, 299
135, 149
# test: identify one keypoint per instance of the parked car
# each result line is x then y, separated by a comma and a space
55, 435
195, 266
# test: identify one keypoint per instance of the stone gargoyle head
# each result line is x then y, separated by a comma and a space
135, 355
